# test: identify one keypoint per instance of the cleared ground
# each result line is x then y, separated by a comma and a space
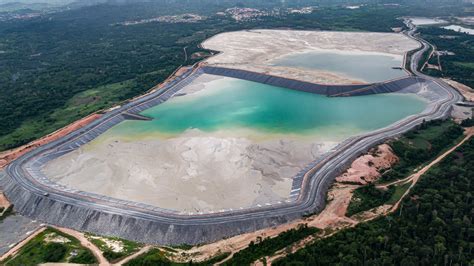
255, 50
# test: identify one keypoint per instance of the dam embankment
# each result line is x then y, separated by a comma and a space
35, 196
328, 90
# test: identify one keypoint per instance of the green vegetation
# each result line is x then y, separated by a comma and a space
414, 149
57, 68
84, 256
459, 66
255, 251
61, 66
216, 259
158, 257
268, 246
183, 247
425, 57
128, 247
368, 197
151, 258
398, 193
7, 212
467, 122
420, 146
51, 245
432, 227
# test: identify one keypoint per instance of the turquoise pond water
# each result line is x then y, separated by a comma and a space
366, 67
229, 104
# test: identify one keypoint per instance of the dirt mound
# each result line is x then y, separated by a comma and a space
366, 169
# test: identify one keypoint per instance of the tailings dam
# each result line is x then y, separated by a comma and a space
228, 147
226, 144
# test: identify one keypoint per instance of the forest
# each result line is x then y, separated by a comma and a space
433, 225
59, 67
459, 66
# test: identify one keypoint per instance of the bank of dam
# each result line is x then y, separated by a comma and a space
35, 196
323, 89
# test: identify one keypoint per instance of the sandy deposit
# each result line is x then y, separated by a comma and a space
333, 217
4, 203
422, 21
55, 238
255, 50
466, 91
193, 172
112, 244
466, 20
366, 169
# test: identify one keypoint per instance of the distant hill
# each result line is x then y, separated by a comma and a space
30, 2
39, 5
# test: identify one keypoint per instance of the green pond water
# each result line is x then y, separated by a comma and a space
232, 104
366, 67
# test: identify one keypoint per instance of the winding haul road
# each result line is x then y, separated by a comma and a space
24, 186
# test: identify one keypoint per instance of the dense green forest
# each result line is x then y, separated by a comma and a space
460, 66
62, 66
432, 227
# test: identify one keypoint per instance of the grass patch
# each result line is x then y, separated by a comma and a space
421, 145
469, 65
368, 197
128, 247
424, 58
398, 192
152, 257
216, 259
52, 245
183, 247
172, 250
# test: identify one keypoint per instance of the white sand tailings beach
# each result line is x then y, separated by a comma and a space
194, 171
189, 173
254, 50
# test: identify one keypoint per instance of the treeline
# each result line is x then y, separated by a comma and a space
268, 246
433, 225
